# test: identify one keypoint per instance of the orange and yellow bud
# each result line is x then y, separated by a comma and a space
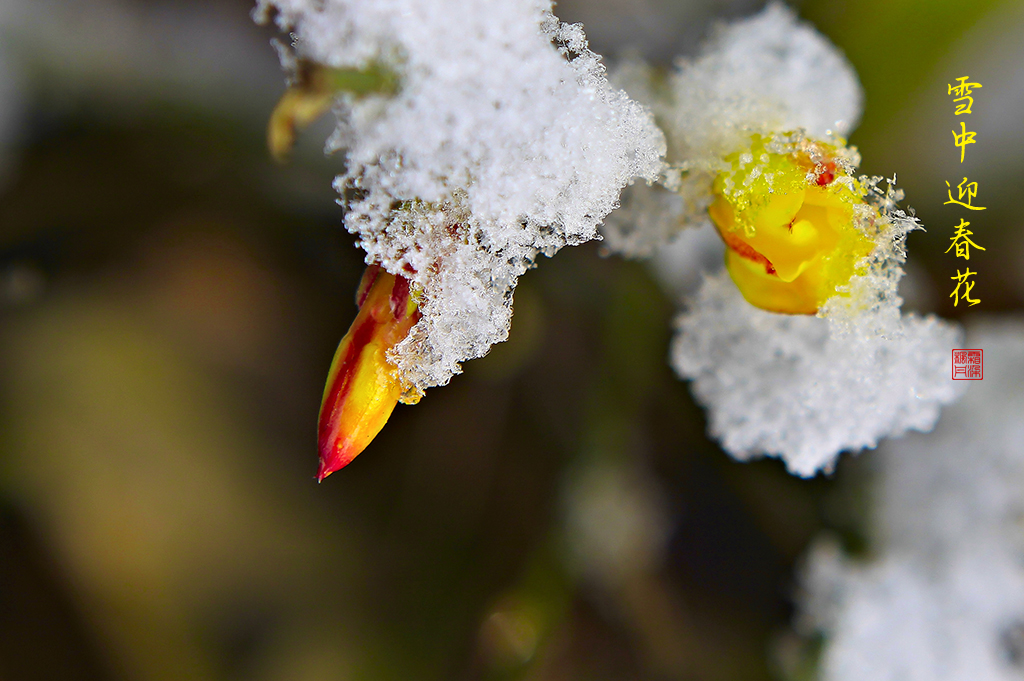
787, 220
363, 386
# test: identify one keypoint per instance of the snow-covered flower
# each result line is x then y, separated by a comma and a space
942, 595
755, 126
500, 141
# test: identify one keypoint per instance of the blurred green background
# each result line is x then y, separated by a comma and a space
170, 301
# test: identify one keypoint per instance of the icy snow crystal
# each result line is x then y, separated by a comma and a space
767, 73
944, 599
503, 141
805, 388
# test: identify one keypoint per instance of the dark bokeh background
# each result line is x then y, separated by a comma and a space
169, 303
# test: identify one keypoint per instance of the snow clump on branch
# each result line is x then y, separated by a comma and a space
502, 140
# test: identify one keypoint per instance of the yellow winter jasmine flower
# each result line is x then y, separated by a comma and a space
754, 124
787, 219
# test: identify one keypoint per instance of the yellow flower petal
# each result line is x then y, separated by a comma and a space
787, 218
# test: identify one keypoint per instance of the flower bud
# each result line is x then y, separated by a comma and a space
363, 385
787, 216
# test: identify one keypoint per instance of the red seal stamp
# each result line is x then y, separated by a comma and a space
968, 365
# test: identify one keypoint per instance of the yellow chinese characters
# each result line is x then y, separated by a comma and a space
962, 241
966, 192
963, 279
962, 90
963, 138
964, 189
786, 215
